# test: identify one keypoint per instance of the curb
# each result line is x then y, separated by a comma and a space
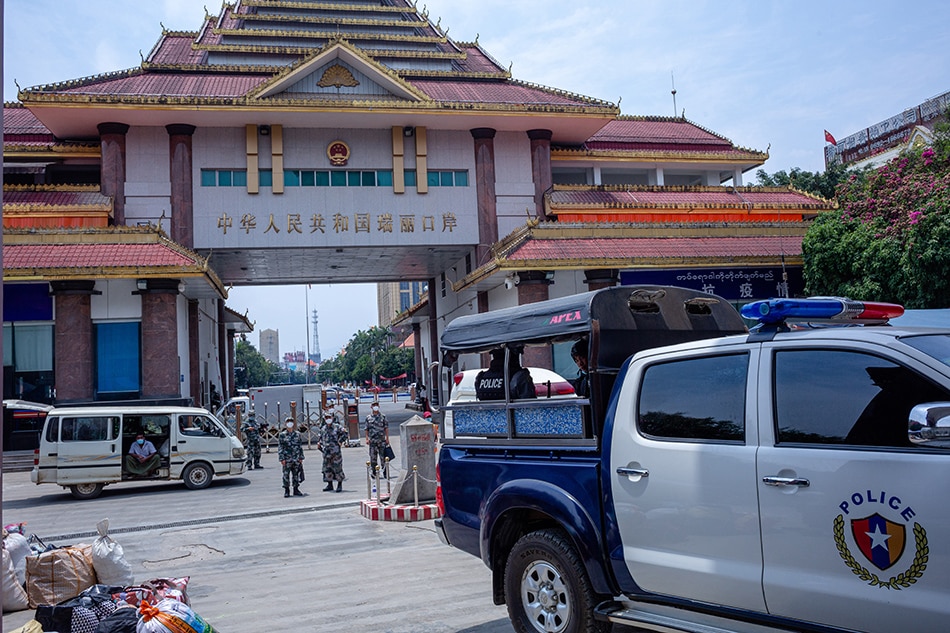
376, 511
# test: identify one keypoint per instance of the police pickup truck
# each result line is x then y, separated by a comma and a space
717, 478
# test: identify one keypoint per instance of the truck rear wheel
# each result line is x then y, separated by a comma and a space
85, 491
546, 587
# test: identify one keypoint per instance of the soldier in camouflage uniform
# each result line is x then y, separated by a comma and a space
377, 437
332, 438
290, 454
252, 442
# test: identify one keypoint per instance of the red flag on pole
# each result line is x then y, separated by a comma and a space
829, 138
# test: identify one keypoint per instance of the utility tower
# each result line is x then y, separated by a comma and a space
315, 354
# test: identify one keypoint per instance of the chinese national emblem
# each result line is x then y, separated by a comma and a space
339, 153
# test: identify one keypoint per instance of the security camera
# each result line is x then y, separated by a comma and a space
511, 281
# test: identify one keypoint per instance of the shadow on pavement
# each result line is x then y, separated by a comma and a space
138, 490
496, 626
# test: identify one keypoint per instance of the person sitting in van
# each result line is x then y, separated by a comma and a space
142, 458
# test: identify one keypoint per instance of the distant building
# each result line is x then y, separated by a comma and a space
270, 345
879, 143
395, 298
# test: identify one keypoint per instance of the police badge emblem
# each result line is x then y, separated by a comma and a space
883, 543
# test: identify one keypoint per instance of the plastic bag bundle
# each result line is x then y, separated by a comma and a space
108, 559
15, 528
170, 616
59, 574
154, 591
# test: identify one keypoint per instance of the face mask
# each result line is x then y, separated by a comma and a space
290, 427
140, 442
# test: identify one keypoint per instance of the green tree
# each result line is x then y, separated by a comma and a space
888, 239
368, 355
821, 184
251, 368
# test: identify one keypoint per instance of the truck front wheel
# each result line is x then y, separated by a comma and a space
197, 476
546, 587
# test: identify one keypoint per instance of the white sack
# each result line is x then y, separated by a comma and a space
19, 548
14, 596
108, 559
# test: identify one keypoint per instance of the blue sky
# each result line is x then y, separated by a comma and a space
765, 74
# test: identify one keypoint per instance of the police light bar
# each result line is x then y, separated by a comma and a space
836, 309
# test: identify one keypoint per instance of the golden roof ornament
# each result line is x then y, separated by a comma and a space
337, 76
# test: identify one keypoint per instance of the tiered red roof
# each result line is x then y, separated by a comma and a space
53, 198
20, 126
119, 253
199, 66
693, 197
630, 249
33, 256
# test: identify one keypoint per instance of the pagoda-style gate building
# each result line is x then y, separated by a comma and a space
310, 142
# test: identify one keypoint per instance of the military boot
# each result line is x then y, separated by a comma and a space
297, 492
339, 486
286, 491
329, 487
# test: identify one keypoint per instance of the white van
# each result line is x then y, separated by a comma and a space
84, 448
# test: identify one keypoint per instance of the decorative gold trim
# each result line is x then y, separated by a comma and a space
334, 20
277, 158
337, 76
335, 51
328, 6
422, 161
399, 160
329, 35
251, 133
241, 69
43, 188
306, 50
646, 155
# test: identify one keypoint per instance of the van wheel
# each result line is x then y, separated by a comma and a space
85, 491
197, 476
546, 587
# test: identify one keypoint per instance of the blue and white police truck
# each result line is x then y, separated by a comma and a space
719, 477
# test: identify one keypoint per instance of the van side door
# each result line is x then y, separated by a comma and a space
89, 449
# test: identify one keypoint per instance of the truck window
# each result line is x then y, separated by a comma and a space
809, 408
86, 429
695, 399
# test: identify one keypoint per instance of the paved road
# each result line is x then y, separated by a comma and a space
260, 562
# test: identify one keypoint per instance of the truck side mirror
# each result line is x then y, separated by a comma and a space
929, 425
